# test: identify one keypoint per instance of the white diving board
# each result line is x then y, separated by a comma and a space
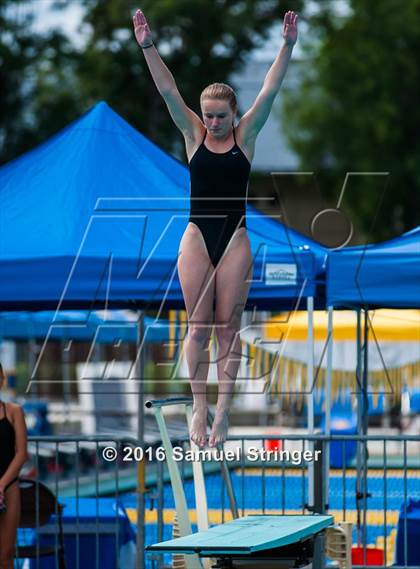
247, 535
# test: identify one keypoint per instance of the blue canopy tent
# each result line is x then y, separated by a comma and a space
95, 215
93, 218
384, 275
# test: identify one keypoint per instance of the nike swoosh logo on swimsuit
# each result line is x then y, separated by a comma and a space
235, 152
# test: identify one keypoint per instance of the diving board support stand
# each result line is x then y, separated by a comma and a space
338, 544
227, 479
191, 561
183, 521
199, 484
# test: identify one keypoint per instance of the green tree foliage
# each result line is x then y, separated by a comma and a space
25, 63
201, 41
357, 109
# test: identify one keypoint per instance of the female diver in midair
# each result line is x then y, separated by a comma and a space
214, 263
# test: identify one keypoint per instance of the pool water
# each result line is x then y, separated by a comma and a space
285, 491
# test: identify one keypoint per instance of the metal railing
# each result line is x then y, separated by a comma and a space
270, 477
267, 473
94, 467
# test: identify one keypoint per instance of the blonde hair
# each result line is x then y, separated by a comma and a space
222, 92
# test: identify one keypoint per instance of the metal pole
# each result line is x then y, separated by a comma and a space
32, 360
359, 421
319, 505
141, 474
328, 403
310, 375
66, 379
365, 427
365, 374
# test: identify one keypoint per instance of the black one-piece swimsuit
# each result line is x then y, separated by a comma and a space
7, 445
219, 184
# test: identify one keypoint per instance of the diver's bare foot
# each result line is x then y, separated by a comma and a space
198, 433
220, 428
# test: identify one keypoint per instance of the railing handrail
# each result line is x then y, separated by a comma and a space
280, 436
168, 402
82, 438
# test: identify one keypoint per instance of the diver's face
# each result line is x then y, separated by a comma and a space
217, 116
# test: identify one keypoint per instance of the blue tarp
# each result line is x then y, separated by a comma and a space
97, 533
82, 326
385, 275
408, 525
96, 214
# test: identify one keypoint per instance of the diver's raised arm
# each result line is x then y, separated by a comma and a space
255, 118
185, 119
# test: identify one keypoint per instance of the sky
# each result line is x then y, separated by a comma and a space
67, 19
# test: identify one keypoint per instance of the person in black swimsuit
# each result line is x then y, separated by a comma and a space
214, 262
218, 205
13, 455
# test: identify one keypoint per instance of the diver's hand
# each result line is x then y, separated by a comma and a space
142, 30
290, 31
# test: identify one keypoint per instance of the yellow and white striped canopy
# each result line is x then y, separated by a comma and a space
384, 325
